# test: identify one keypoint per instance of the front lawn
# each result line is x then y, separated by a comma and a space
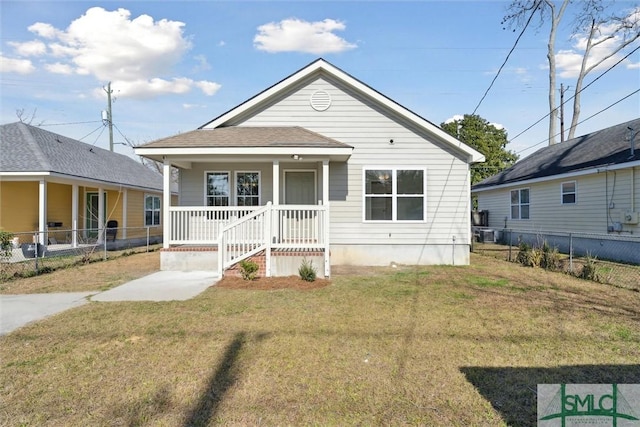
429, 346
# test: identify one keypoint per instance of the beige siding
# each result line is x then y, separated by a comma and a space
357, 122
601, 199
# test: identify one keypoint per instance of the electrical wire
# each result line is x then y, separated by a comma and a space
574, 95
99, 135
73, 123
129, 143
584, 120
535, 9
93, 131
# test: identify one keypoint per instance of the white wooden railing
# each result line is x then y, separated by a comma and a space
240, 232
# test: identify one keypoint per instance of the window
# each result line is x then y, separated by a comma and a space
392, 194
217, 188
568, 193
151, 210
520, 204
248, 188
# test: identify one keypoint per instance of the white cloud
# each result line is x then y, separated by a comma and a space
455, 118
136, 54
19, 66
203, 64
59, 68
295, 35
32, 48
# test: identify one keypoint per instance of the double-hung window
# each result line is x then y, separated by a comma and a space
395, 194
520, 203
569, 192
151, 210
248, 188
217, 189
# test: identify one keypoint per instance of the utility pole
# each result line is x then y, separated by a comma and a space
562, 91
109, 116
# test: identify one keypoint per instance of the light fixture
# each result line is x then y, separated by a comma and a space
296, 157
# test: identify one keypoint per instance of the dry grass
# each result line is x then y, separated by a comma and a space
429, 346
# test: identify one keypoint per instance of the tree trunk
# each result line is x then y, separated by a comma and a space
579, 82
551, 57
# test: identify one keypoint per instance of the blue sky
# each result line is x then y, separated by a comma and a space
176, 65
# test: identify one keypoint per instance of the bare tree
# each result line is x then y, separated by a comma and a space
24, 117
615, 33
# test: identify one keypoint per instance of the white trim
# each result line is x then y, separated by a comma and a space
166, 202
325, 182
575, 192
596, 170
235, 185
394, 194
275, 182
206, 181
125, 204
258, 152
315, 182
42, 212
59, 178
321, 65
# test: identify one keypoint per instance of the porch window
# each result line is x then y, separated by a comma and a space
394, 194
151, 210
520, 203
217, 188
248, 188
568, 193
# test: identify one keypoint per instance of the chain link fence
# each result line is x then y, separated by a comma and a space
614, 258
30, 253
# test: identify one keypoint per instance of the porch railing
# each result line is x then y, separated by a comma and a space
193, 225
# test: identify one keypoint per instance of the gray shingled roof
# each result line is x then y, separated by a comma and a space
608, 146
247, 137
25, 148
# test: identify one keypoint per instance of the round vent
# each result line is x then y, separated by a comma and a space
320, 100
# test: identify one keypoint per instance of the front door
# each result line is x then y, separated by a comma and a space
300, 226
91, 223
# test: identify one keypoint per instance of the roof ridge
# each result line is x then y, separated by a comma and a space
34, 146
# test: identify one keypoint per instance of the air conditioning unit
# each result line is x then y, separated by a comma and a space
629, 217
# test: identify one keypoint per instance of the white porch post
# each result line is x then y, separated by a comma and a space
325, 182
124, 213
74, 215
166, 202
100, 214
42, 212
276, 182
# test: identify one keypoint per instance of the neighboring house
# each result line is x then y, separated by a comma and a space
588, 185
68, 191
320, 166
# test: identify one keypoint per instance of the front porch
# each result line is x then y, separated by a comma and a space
277, 236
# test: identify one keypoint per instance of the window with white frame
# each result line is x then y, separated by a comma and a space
217, 189
248, 188
395, 194
520, 203
151, 210
569, 192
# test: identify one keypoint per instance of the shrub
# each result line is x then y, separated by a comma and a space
307, 271
524, 254
550, 257
589, 270
5, 244
249, 269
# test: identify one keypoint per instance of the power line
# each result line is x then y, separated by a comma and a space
584, 120
93, 131
72, 123
535, 8
574, 95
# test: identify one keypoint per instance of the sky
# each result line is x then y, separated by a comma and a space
175, 65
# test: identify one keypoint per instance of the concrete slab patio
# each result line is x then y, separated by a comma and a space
161, 286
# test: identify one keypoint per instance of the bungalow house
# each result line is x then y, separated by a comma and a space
67, 191
318, 166
588, 186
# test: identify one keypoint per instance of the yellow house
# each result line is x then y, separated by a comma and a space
67, 191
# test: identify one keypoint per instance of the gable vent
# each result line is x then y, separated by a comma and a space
320, 100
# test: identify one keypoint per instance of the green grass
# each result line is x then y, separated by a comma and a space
429, 346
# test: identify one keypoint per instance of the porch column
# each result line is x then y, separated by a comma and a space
124, 214
166, 202
100, 214
42, 212
276, 182
325, 182
74, 215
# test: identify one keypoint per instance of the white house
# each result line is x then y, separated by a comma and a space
589, 185
321, 166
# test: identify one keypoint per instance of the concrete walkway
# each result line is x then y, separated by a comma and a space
18, 310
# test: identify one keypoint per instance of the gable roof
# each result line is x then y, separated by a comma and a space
606, 147
28, 149
322, 66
